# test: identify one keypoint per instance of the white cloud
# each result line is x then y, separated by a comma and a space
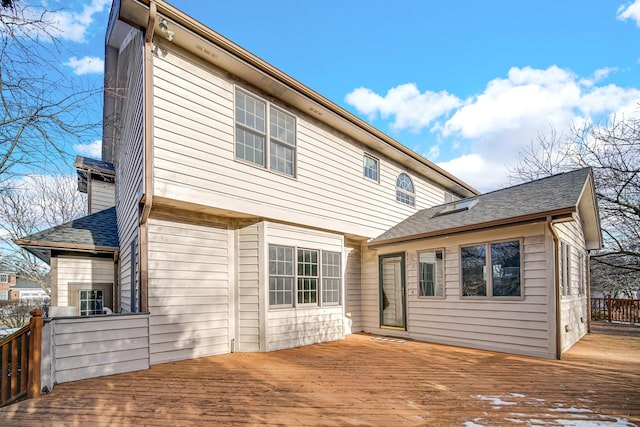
59, 24
86, 65
485, 135
630, 11
411, 109
92, 149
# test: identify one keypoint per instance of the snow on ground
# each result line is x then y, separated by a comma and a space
515, 408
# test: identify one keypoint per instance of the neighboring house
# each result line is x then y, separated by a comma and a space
27, 289
7, 279
253, 214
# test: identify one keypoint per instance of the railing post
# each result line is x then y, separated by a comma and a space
35, 354
609, 308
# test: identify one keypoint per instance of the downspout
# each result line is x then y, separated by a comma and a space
147, 197
588, 286
556, 287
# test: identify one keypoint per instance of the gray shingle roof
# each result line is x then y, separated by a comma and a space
95, 232
553, 194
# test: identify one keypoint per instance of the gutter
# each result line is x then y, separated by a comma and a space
556, 286
524, 219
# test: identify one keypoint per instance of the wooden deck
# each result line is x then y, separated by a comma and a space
362, 381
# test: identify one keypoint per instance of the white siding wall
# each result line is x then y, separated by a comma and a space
89, 347
574, 315
103, 196
522, 327
81, 270
294, 327
128, 160
189, 297
353, 302
194, 160
248, 289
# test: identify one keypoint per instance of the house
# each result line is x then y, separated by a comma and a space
27, 290
7, 280
250, 214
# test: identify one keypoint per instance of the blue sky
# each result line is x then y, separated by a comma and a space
465, 84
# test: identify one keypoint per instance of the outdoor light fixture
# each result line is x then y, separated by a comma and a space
164, 27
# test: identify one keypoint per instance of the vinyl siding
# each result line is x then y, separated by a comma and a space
128, 157
89, 347
194, 160
353, 302
573, 314
189, 297
294, 327
248, 289
80, 270
103, 196
514, 326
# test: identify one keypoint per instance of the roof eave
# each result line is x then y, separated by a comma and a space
524, 219
33, 244
200, 30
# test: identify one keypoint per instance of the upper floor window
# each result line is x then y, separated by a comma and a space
252, 134
371, 167
4, 278
404, 190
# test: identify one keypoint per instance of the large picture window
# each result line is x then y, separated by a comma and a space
430, 274
310, 277
252, 115
501, 259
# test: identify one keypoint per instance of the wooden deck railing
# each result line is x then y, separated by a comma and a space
615, 310
20, 356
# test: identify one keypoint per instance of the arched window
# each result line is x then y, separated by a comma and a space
404, 190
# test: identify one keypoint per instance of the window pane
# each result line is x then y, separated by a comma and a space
404, 190
249, 146
371, 168
281, 158
331, 277
307, 276
280, 275
282, 127
473, 259
430, 274
505, 267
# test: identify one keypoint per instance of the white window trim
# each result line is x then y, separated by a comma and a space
377, 160
402, 190
444, 284
565, 268
489, 277
267, 136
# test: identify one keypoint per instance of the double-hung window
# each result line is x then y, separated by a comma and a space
371, 168
252, 134
430, 274
491, 270
300, 277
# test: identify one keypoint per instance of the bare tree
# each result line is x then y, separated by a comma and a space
43, 110
30, 204
612, 150
16, 313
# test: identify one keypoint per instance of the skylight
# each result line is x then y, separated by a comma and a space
459, 206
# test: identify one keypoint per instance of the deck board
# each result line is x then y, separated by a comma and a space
361, 381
